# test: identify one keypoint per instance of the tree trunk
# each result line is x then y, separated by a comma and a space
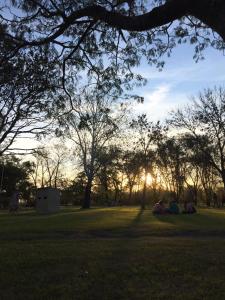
130, 193
223, 178
87, 195
105, 186
208, 196
223, 196
143, 200
56, 176
116, 196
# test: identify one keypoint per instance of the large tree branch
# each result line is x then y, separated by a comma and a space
158, 16
209, 12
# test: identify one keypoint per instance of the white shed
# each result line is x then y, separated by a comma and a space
47, 200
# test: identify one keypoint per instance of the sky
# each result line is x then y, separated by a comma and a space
180, 79
174, 86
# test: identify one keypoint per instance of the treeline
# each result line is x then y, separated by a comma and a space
109, 158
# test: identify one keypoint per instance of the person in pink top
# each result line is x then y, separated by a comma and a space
159, 208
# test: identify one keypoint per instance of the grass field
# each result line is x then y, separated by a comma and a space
112, 253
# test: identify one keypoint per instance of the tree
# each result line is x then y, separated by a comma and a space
47, 166
108, 159
25, 105
75, 189
199, 172
108, 38
91, 125
171, 161
126, 15
14, 175
132, 168
147, 136
205, 121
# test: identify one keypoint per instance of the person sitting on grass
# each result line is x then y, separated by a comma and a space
159, 208
189, 208
173, 208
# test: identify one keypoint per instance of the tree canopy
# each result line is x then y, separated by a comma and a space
204, 120
108, 38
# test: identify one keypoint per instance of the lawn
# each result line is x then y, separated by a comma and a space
112, 253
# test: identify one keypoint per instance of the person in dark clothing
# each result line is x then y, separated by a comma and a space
173, 208
189, 208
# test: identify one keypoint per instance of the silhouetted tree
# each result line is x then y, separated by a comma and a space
205, 121
14, 175
76, 188
147, 136
171, 161
132, 169
80, 20
48, 164
109, 166
91, 125
199, 172
81, 34
24, 99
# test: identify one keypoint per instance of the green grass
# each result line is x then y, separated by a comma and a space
112, 253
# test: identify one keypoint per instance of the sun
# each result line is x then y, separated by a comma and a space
149, 179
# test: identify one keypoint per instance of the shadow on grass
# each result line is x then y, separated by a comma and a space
138, 218
135, 227
203, 224
108, 223
61, 213
67, 224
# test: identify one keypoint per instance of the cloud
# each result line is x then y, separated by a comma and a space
181, 78
160, 101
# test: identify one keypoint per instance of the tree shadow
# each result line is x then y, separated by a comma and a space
137, 220
201, 223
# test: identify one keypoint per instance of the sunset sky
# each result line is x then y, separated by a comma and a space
172, 87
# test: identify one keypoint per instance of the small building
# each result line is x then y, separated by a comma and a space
47, 200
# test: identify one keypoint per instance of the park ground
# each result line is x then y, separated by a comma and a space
112, 253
